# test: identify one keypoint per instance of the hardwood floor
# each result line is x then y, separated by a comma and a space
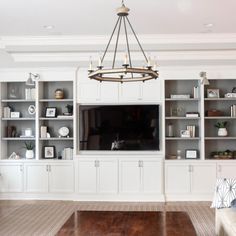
104, 223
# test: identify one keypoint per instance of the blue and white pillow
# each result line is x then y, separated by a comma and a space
225, 193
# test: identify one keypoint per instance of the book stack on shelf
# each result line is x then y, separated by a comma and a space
67, 154
233, 110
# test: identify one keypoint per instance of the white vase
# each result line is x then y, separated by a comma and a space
29, 154
222, 132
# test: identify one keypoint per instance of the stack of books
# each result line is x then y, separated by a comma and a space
6, 112
67, 154
191, 129
233, 110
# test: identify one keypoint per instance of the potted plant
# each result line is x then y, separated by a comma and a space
29, 146
222, 131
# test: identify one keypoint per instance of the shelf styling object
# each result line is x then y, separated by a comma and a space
227, 154
222, 131
29, 146
69, 110
126, 72
63, 132
31, 109
59, 94
214, 113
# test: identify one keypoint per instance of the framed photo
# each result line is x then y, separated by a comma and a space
15, 114
51, 112
191, 154
49, 152
184, 133
213, 93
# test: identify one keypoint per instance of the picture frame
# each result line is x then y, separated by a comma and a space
51, 112
49, 152
191, 154
213, 93
15, 114
185, 134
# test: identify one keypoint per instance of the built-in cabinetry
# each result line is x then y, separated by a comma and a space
180, 100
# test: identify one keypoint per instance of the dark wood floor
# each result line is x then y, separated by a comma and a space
105, 223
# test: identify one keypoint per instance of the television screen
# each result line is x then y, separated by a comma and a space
120, 127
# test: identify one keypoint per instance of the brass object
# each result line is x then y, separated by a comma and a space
59, 94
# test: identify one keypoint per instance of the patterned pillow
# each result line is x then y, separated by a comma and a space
225, 193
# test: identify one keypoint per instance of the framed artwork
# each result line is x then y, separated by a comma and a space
51, 112
191, 154
213, 93
49, 152
184, 133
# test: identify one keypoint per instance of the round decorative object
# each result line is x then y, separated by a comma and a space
63, 131
59, 94
31, 109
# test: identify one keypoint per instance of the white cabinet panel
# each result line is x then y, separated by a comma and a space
11, 178
36, 178
227, 170
107, 176
109, 92
203, 178
130, 177
61, 178
88, 91
151, 176
177, 179
151, 90
130, 92
87, 176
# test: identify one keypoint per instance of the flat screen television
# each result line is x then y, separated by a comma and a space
119, 127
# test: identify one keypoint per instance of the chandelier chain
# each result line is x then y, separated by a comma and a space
137, 39
117, 40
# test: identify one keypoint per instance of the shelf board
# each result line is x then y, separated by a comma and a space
56, 100
180, 138
46, 118
17, 139
181, 99
56, 139
219, 117
21, 118
181, 118
220, 99
17, 100
220, 138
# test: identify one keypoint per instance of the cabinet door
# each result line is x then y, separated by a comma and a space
61, 178
11, 178
89, 91
87, 176
130, 176
226, 170
151, 90
130, 92
107, 176
151, 176
177, 179
109, 92
36, 178
203, 178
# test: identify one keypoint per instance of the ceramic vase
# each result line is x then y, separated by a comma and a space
222, 132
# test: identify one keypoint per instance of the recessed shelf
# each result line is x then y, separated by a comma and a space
46, 118
181, 99
56, 139
17, 100
220, 99
180, 138
18, 119
56, 100
17, 139
220, 138
181, 118
219, 117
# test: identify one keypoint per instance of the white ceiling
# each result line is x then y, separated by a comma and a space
93, 17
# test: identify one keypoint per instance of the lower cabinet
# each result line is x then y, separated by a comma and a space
140, 176
47, 177
98, 176
190, 178
11, 178
226, 170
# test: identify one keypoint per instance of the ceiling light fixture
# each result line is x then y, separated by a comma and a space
30, 81
204, 80
125, 73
